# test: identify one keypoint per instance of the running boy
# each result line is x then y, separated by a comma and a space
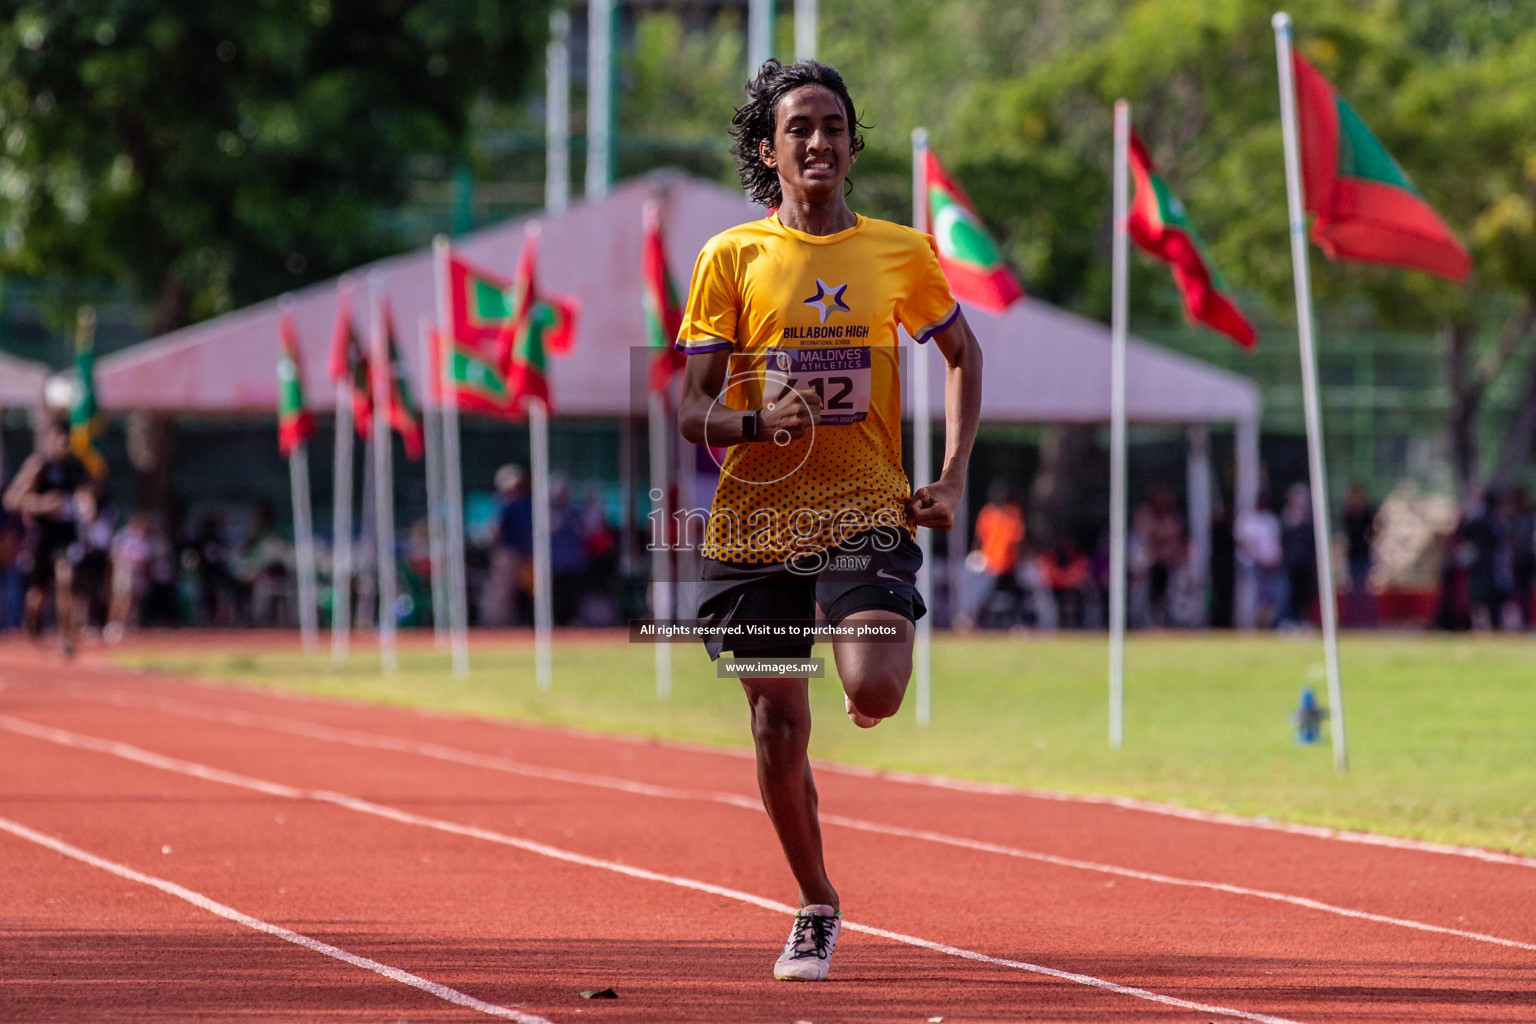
791, 329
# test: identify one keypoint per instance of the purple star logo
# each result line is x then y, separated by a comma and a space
827, 299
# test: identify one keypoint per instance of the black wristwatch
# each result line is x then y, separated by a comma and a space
750, 424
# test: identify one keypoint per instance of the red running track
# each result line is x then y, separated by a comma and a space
375, 864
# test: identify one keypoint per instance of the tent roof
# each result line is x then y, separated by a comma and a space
1042, 364
21, 381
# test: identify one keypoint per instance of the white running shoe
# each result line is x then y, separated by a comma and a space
807, 955
862, 721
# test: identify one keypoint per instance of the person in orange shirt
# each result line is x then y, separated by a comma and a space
999, 538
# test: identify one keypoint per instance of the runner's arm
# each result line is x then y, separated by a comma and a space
934, 506
20, 490
703, 419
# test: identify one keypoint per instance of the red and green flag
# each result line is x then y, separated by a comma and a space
479, 303
1366, 208
295, 424
1160, 225
84, 413
403, 413
971, 260
540, 325
349, 363
663, 311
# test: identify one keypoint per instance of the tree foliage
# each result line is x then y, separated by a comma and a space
213, 154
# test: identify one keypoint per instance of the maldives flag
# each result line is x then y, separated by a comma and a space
1159, 225
479, 304
349, 363
970, 258
663, 311
295, 424
1366, 207
402, 412
540, 326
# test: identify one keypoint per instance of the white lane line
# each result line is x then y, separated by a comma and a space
197, 899
200, 771
372, 741
886, 775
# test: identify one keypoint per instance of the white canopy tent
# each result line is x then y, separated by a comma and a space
21, 382
1043, 365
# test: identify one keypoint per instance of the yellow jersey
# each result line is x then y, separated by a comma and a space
818, 313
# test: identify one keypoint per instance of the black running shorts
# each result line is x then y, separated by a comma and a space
875, 569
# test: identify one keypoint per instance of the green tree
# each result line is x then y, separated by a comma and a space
1442, 88
209, 155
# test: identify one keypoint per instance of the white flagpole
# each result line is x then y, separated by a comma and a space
1117, 432
383, 475
543, 612
432, 436
661, 584
759, 33
1315, 463
304, 545
303, 529
922, 450
341, 519
453, 487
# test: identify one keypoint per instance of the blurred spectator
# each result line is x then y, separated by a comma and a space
92, 556
13, 569
999, 537
567, 553
1520, 531
1298, 551
1068, 574
1163, 541
1487, 582
511, 555
131, 551
218, 590
1359, 535
267, 571
1223, 565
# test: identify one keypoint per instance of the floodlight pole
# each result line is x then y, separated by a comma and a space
922, 449
759, 34
557, 103
805, 29
1304, 324
1118, 444
543, 620
600, 38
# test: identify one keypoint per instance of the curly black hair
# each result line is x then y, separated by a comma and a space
755, 121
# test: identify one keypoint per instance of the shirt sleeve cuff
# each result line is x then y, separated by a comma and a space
939, 326
698, 346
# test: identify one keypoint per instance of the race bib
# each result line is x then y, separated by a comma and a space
841, 376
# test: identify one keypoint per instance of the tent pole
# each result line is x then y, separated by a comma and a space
922, 451
1315, 463
1118, 444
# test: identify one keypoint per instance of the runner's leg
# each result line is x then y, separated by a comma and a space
875, 672
781, 732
